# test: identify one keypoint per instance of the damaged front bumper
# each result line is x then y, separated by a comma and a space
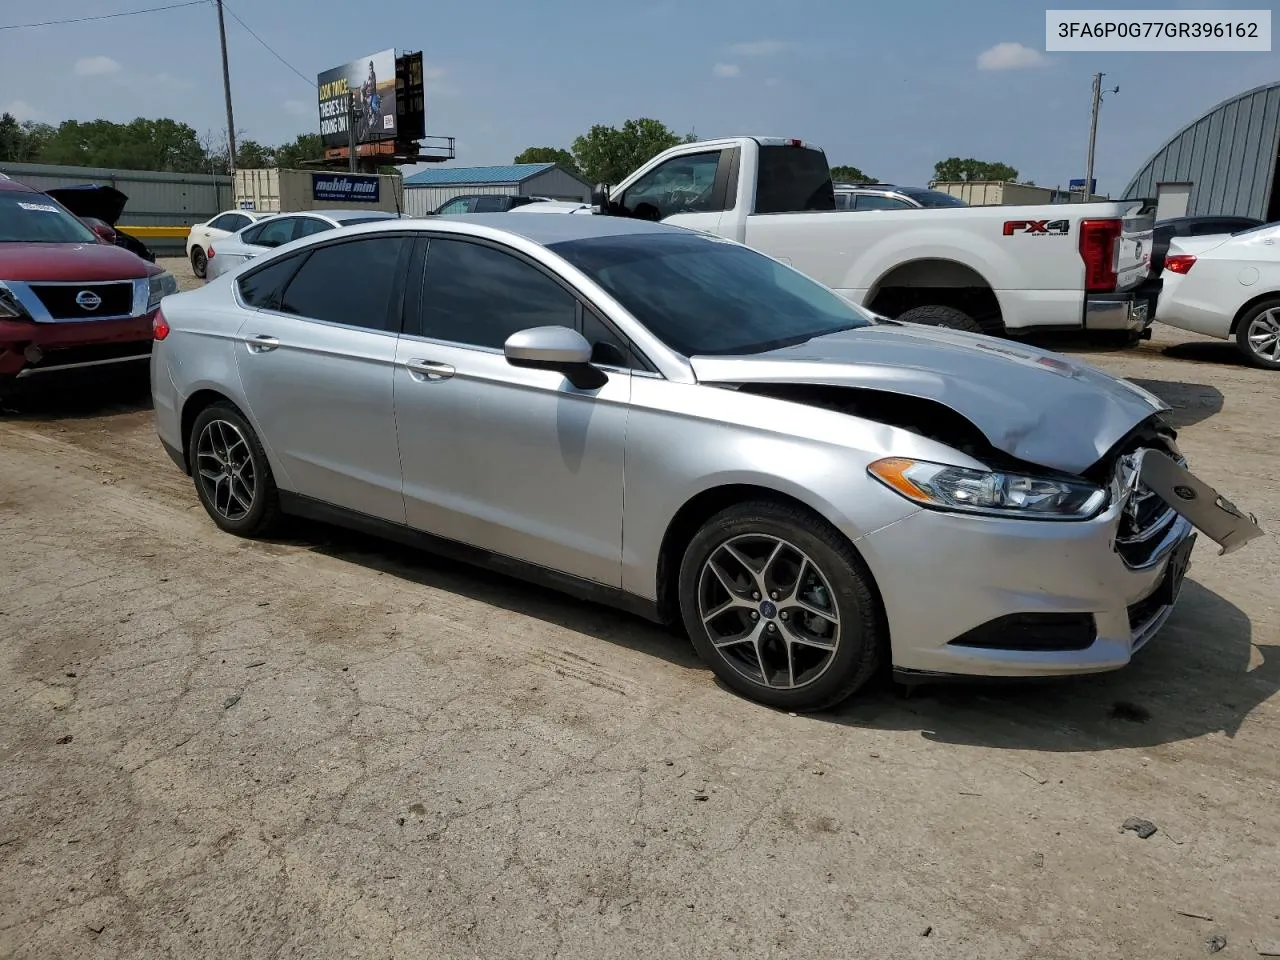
997, 597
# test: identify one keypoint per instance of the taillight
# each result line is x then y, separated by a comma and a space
210, 256
1098, 250
159, 326
1179, 263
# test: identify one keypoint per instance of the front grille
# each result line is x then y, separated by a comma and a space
1142, 612
116, 299
1027, 632
1142, 522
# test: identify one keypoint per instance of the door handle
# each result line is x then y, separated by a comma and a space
430, 369
262, 343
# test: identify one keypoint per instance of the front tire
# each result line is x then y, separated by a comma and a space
1258, 334
232, 476
199, 262
780, 606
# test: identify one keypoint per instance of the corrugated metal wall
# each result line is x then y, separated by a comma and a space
557, 185
419, 201
1228, 156
155, 199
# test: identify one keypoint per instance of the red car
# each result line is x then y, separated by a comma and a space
68, 299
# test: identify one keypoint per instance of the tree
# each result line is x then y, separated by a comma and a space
251, 155
607, 154
846, 174
955, 168
305, 146
22, 142
140, 144
556, 155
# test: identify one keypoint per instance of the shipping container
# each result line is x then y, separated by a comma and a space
270, 190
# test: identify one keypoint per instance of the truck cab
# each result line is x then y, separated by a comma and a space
996, 270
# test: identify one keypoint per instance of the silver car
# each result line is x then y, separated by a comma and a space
230, 252
681, 426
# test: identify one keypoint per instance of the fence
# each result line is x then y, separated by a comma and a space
161, 205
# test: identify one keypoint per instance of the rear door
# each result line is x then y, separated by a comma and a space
315, 360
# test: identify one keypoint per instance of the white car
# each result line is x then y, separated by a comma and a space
278, 229
203, 234
1227, 286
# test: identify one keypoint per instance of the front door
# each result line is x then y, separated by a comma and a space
516, 461
690, 191
316, 364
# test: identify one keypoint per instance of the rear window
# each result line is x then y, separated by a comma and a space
932, 198
35, 218
792, 179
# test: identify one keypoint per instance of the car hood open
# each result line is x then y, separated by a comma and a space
92, 200
1038, 406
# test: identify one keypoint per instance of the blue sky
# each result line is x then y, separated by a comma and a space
889, 87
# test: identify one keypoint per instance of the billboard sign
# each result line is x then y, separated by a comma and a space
1077, 186
344, 187
373, 81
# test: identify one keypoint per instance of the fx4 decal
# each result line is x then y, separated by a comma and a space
1054, 228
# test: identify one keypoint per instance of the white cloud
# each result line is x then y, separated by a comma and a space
760, 48
22, 111
1010, 56
726, 70
298, 108
95, 66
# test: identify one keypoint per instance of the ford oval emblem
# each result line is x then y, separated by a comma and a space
88, 300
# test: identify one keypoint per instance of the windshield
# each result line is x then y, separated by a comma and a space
932, 198
703, 296
33, 218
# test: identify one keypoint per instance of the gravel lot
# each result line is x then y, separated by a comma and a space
328, 747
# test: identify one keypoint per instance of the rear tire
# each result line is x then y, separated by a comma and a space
232, 476
935, 315
780, 606
199, 262
1258, 334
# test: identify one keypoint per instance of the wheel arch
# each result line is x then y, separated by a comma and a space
200, 400
1249, 305
937, 281
701, 507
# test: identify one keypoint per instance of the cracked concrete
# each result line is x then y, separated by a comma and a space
426, 761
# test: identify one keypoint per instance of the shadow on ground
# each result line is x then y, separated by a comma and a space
76, 395
1194, 678
1191, 402
1219, 352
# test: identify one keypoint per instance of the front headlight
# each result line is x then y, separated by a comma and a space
989, 492
159, 286
10, 308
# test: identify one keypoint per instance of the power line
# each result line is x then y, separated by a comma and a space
102, 16
237, 19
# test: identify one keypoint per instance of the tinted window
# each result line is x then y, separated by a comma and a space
33, 218
457, 205
701, 295
792, 179
492, 204
933, 198
871, 201
349, 283
844, 201
479, 296
309, 225
273, 233
1247, 230
225, 222
263, 287
681, 185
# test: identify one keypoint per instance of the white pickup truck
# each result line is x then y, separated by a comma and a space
999, 270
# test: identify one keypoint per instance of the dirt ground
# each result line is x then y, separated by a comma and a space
328, 747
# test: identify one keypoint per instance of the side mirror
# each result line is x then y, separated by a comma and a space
600, 198
555, 348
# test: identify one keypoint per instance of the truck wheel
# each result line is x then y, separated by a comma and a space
199, 263
779, 604
939, 316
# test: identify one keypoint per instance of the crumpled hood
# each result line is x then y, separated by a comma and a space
1032, 404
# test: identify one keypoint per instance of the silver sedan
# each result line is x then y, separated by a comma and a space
233, 250
686, 428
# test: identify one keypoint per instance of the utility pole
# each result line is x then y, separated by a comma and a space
226, 90
1093, 133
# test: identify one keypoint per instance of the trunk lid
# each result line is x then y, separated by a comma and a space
1133, 247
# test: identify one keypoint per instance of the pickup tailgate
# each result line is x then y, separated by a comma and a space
1133, 247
